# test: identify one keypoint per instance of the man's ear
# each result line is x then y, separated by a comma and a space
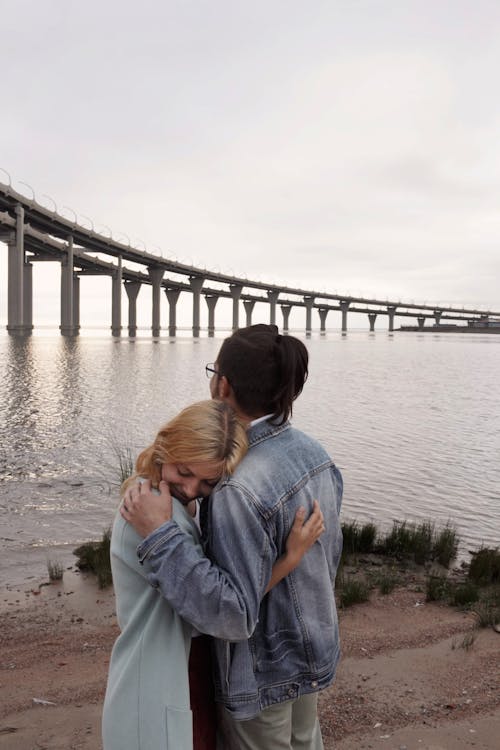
224, 390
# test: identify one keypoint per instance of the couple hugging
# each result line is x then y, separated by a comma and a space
224, 556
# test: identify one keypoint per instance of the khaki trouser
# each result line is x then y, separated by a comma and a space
292, 725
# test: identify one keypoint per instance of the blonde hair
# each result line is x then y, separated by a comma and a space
202, 432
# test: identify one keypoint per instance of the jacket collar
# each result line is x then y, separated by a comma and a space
263, 430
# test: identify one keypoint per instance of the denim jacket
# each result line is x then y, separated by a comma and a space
270, 647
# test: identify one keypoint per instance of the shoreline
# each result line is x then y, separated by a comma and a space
406, 677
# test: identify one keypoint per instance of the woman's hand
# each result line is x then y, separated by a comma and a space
304, 534
144, 509
301, 537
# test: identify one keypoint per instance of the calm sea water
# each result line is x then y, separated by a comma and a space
412, 420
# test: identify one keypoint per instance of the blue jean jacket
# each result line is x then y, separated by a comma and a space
270, 647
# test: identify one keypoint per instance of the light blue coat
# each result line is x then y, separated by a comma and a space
147, 697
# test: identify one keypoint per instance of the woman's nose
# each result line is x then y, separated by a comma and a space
192, 487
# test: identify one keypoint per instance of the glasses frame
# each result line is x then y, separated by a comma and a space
210, 370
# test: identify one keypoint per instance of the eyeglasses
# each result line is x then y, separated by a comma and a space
210, 370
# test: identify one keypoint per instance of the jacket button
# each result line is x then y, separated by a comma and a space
291, 692
314, 683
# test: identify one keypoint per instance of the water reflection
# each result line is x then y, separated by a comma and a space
413, 422
19, 408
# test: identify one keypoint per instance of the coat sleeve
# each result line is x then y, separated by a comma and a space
219, 599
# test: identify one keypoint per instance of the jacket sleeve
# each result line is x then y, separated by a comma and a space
219, 599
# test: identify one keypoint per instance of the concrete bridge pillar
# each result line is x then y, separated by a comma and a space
211, 300
76, 305
272, 296
323, 312
156, 276
309, 302
249, 305
391, 309
28, 298
285, 309
421, 322
132, 288
116, 300
344, 306
67, 291
437, 316
172, 296
372, 317
15, 290
196, 283
236, 290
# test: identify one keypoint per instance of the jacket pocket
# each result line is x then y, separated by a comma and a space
179, 728
279, 650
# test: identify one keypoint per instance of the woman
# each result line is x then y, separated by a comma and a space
147, 703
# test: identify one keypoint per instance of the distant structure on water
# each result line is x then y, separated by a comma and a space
485, 324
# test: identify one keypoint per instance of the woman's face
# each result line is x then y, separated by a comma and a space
189, 481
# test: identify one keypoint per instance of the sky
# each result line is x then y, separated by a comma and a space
348, 146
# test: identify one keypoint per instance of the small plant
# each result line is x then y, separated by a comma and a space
353, 592
125, 463
55, 570
350, 534
386, 583
397, 543
487, 613
406, 541
367, 536
437, 588
466, 643
446, 546
485, 566
358, 539
95, 557
464, 593
420, 542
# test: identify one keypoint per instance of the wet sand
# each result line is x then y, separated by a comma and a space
406, 679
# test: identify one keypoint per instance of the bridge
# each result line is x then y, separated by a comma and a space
35, 233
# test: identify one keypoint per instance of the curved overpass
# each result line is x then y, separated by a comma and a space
34, 233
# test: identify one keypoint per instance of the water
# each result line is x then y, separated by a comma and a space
412, 420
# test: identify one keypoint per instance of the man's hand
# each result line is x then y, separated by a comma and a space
144, 509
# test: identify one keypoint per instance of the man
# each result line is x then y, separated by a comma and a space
283, 647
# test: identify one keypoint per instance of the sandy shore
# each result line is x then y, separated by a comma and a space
406, 679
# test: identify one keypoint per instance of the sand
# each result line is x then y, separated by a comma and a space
413, 675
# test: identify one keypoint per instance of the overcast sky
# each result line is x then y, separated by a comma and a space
350, 146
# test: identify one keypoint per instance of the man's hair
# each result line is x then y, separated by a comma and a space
202, 432
266, 371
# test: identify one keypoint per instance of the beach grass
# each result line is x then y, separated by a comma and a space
125, 460
465, 593
437, 588
445, 546
467, 641
420, 556
485, 566
387, 581
55, 570
420, 543
358, 539
95, 557
352, 591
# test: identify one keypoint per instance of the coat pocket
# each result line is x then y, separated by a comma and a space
179, 727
